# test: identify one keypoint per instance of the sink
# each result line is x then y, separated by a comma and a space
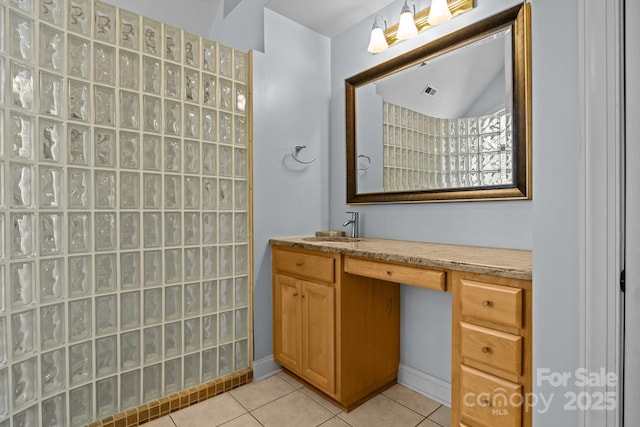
333, 239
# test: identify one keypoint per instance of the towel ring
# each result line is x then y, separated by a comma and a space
364, 168
295, 150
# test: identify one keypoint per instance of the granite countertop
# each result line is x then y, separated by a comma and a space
511, 263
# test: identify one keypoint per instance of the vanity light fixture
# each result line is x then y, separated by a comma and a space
407, 26
378, 41
439, 12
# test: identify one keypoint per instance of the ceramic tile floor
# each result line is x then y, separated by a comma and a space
281, 401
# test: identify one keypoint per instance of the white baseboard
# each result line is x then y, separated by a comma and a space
426, 384
264, 368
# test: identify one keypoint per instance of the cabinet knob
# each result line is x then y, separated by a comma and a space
299, 264
485, 349
389, 273
487, 303
296, 294
485, 403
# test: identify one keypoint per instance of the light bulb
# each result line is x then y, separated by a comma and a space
439, 12
407, 26
378, 42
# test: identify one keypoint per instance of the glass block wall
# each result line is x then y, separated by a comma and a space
423, 152
124, 263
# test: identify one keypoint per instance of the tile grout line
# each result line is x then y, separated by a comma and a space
440, 405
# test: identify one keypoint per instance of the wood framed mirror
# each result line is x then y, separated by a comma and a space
448, 121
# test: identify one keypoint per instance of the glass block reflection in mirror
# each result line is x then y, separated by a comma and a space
124, 257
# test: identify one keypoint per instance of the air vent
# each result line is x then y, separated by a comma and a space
430, 91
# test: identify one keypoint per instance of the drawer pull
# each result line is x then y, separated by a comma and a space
487, 303
299, 264
486, 349
296, 294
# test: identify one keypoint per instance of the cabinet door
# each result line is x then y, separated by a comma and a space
287, 318
318, 335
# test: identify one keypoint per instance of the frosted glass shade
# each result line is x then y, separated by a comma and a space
407, 26
439, 12
378, 42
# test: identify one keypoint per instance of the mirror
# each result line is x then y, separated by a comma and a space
447, 121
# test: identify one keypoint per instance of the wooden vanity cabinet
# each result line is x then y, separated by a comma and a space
491, 360
337, 332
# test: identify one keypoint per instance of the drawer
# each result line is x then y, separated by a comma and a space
417, 276
315, 267
491, 303
489, 401
497, 349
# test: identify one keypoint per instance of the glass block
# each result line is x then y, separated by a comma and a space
3, 344
209, 55
172, 229
241, 355
172, 43
2, 256
79, 19
78, 57
22, 128
172, 199
225, 228
79, 319
23, 333
129, 150
79, 185
241, 225
240, 66
226, 260
191, 85
226, 94
78, 104
242, 291
129, 110
191, 228
50, 136
52, 371
22, 36
79, 232
51, 48
209, 228
192, 263
191, 49
240, 126
25, 383
152, 382
51, 279
226, 294
104, 60
129, 230
225, 128
130, 310
225, 359
129, 30
129, 69
172, 376
192, 370
173, 302
153, 344
192, 299
209, 364
152, 306
209, 331
152, 146
80, 363
225, 61
209, 90
50, 234
107, 397
105, 194
241, 193
4, 396
22, 235
209, 193
78, 144
209, 262
129, 190
173, 265
225, 160
80, 407
105, 140
129, 270
151, 75
173, 117
130, 350
152, 229
210, 297
105, 24
191, 121
50, 94
79, 276
152, 114
209, 159
172, 339
105, 273
192, 156
241, 323
151, 36
225, 194
191, 192
54, 411
52, 11
152, 268
106, 355
172, 80
106, 320
240, 163
130, 389
209, 125
22, 185
105, 106
240, 98
22, 94
191, 334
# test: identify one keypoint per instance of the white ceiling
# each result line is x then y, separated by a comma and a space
328, 17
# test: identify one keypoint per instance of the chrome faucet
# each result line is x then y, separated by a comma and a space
354, 224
